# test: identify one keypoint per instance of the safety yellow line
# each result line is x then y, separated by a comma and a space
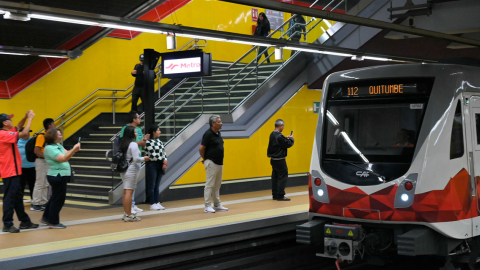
86, 203
148, 232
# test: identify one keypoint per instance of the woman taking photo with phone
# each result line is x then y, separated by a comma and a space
156, 167
130, 150
58, 175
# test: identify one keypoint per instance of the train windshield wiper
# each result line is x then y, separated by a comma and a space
380, 177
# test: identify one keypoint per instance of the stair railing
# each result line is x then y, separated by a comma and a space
77, 109
230, 80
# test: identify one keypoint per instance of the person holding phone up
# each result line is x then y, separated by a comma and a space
277, 152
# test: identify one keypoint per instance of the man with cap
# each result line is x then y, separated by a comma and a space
138, 88
11, 170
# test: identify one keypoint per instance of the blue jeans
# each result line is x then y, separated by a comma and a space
153, 178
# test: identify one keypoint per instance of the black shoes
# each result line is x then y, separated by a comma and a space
284, 199
28, 225
11, 229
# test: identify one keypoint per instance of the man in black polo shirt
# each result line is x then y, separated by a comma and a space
211, 151
277, 151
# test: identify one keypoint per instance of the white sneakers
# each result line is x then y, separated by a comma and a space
136, 209
157, 206
210, 209
131, 218
220, 208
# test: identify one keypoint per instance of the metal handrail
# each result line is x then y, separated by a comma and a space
277, 29
111, 90
81, 101
290, 35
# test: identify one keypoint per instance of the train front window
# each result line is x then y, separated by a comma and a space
373, 132
371, 128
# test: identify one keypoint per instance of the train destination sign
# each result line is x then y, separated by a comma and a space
376, 89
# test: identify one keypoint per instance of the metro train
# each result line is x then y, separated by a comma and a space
395, 167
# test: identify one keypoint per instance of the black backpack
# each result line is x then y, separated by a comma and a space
30, 148
119, 160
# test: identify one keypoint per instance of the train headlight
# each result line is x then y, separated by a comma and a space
320, 192
405, 194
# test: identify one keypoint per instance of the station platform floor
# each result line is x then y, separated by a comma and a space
95, 233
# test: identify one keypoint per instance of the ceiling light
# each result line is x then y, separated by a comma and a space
16, 16
337, 54
61, 19
201, 37
11, 53
302, 49
358, 58
52, 56
250, 43
137, 29
377, 58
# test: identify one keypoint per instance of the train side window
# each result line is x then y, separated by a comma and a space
477, 127
456, 143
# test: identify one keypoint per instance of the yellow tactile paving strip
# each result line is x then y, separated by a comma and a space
148, 232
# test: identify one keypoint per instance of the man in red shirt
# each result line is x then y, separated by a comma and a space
10, 171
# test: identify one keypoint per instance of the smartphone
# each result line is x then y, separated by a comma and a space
291, 133
79, 139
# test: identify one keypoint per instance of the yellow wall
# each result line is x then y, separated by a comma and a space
108, 63
247, 158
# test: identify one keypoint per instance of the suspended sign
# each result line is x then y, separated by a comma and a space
275, 18
186, 64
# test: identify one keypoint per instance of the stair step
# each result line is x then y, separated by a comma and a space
84, 196
85, 185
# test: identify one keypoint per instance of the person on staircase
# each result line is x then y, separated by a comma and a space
132, 154
140, 140
11, 170
59, 173
212, 153
138, 90
262, 30
155, 168
295, 29
28, 168
40, 191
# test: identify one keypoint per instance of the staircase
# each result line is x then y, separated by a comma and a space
183, 103
93, 176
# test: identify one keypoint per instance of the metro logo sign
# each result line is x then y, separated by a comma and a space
171, 67
183, 65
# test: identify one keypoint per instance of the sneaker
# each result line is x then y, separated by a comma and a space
28, 225
43, 221
209, 209
58, 226
37, 208
285, 199
220, 208
138, 210
11, 229
154, 207
160, 206
133, 211
131, 218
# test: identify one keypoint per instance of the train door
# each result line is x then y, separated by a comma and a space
472, 123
